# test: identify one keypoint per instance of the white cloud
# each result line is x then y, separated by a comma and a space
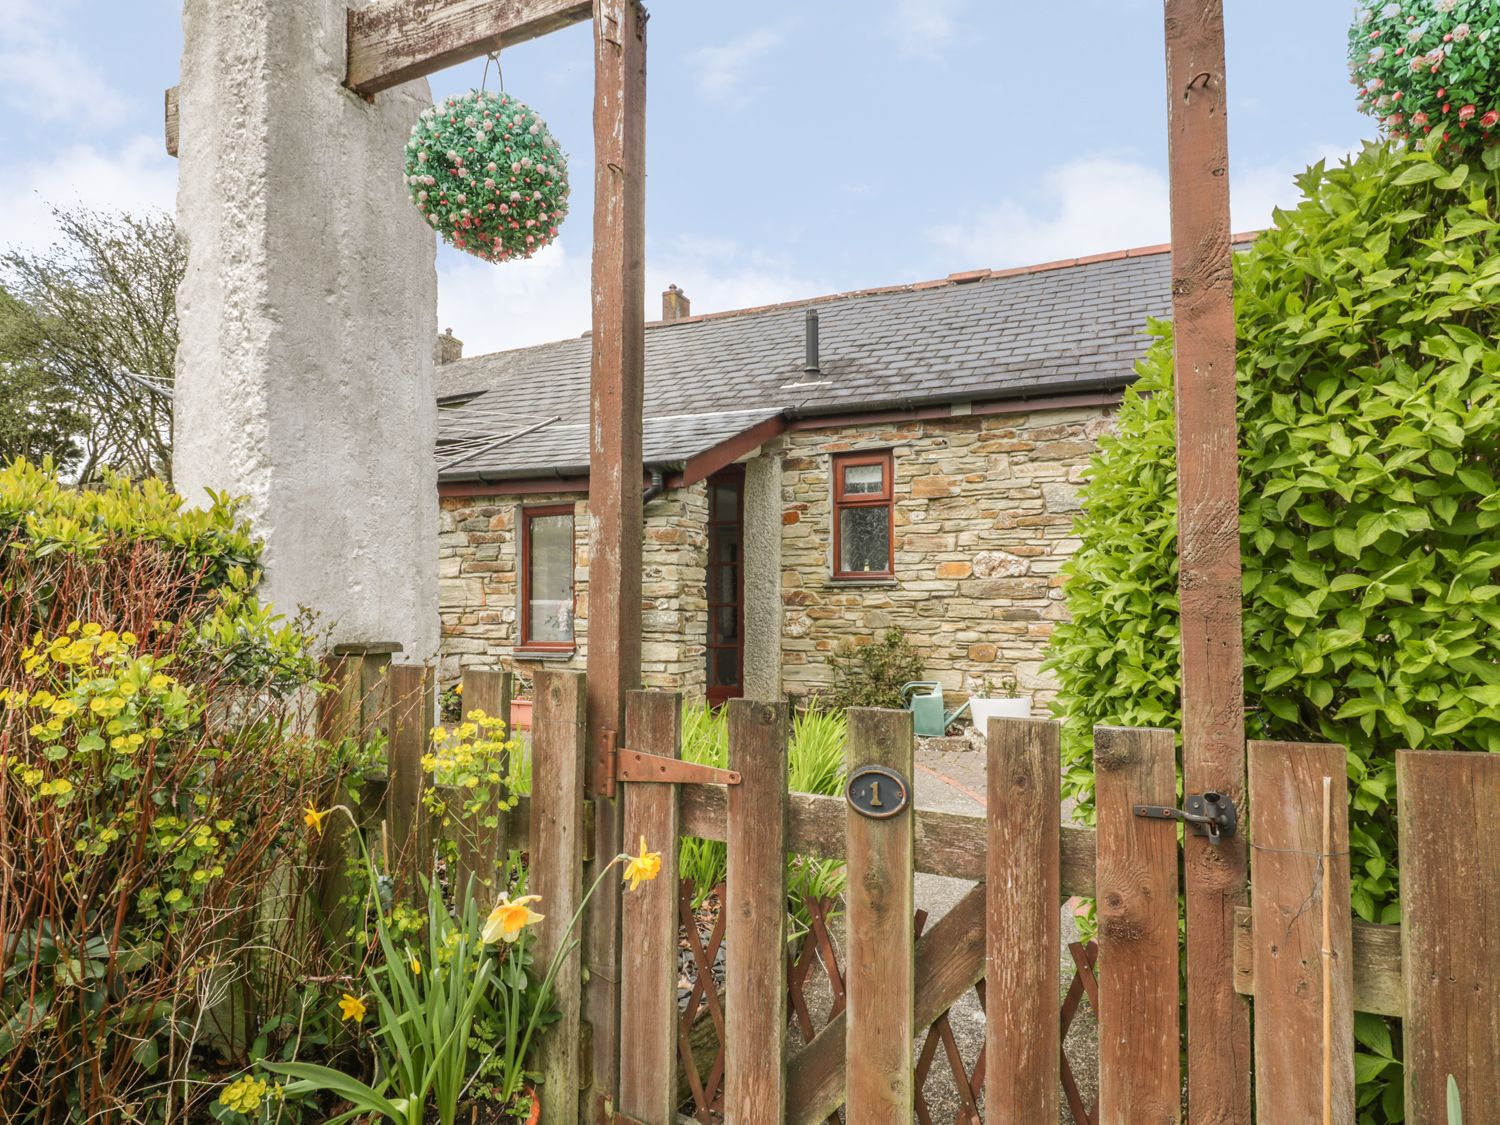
137, 177
727, 75
924, 27
1100, 203
495, 307
45, 76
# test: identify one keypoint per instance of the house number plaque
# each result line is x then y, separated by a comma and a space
877, 792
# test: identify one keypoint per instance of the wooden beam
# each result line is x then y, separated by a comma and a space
1208, 538
1378, 988
947, 843
616, 395
170, 124
396, 41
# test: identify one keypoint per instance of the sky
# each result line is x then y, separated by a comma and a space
794, 149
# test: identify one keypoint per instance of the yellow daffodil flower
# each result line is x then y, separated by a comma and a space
416, 967
353, 1008
508, 919
642, 868
314, 819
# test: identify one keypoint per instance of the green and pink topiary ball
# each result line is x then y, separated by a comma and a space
488, 176
1429, 70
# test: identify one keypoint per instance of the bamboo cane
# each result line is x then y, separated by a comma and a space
1327, 956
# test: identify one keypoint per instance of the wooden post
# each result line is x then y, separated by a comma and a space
1450, 931
755, 898
1213, 710
557, 733
615, 473
880, 971
408, 827
1023, 1045
1291, 881
1140, 1078
648, 961
480, 847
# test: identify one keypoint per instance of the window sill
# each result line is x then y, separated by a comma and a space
545, 653
832, 581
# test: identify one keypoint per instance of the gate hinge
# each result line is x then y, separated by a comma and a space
1208, 814
618, 763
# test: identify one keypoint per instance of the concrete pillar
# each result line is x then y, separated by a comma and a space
308, 315
762, 555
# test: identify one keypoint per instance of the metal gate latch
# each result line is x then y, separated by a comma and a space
1208, 814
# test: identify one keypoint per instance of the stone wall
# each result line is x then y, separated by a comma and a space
480, 599
984, 508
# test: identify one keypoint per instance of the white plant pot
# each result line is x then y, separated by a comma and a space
983, 710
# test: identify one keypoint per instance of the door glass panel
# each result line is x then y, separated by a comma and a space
724, 585
724, 667
864, 480
724, 502
724, 545
549, 591
726, 624
864, 540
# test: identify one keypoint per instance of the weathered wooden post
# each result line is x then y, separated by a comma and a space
615, 477
1208, 538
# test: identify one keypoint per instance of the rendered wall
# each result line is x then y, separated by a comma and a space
308, 314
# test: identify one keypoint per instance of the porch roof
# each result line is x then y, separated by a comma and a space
1045, 331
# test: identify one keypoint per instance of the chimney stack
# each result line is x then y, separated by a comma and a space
448, 348
675, 304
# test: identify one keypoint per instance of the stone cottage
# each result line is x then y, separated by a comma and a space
817, 472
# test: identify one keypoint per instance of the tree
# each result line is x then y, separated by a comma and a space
37, 417
97, 315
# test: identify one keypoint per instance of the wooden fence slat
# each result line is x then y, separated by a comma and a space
1450, 931
1024, 807
755, 938
947, 843
1139, 1041
648, 959
556, 873
879, 976
479, 848
1290, 879
408, 826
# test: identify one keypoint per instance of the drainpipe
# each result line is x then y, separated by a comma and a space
655, 488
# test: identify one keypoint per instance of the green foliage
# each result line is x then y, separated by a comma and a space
1455, 1103
872, 674
815, 765
38, 418
1426, 70
96, 315
1369, 405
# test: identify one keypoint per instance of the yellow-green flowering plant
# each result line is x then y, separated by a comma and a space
476, 773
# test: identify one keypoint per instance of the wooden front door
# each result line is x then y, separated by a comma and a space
726, 585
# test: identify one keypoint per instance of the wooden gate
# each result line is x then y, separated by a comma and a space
757, 1047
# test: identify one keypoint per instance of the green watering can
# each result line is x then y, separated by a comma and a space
924, 699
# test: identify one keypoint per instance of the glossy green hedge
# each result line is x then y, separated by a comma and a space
1369, 402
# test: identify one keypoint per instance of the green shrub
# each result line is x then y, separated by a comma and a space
1369, 406
872, 674
153, 785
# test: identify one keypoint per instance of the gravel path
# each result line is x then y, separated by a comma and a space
952, 780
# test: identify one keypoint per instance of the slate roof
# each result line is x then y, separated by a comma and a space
1040, 331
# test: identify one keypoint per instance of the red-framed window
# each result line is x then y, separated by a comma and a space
863, 531
546, 568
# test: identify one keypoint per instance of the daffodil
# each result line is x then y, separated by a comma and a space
508, 919
313, 818
416, 967
642, 868
352, 1007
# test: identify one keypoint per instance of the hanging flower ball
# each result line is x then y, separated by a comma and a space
1429, 71
488, 176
